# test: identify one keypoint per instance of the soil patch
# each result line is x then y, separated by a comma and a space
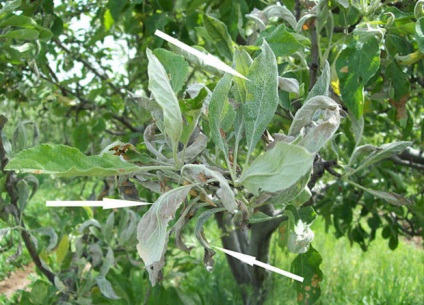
16, 281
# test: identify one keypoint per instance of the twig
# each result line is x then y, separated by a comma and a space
10, 185
102, 75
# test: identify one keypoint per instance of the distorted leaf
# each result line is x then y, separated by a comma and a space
261, 96
311, 111
324, 125
149, 141
277, 169
67, 161
50, 232
198, 231
201, 174
282, 12
195, 148
106, 288
152, 233
164, 95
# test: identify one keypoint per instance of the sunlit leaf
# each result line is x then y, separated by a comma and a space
356, 64
164, 95
261, 97
277, 169
67, 161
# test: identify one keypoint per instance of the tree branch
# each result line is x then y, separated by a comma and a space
10, 184
100, 74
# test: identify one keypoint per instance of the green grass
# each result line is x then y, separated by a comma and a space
351, 276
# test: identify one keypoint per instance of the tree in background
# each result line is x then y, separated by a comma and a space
323, 118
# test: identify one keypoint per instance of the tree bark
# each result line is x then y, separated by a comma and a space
250, 279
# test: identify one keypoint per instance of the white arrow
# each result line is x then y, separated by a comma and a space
206, 59
107, 203
251, 260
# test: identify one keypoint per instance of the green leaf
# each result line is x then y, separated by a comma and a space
106, 288
307, 266
108, 20
419, 34
322, 85
164, 95
81, 137
261, 96
9, 6
390, 197
23, 191
175, 65
24, 34
200, 173
219, 109
281, 41
67, 161
152, 231
355, 66
62, 249
19, 21
277, 169
220, 39
115, 7
383, 152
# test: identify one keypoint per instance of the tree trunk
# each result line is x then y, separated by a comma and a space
256, 243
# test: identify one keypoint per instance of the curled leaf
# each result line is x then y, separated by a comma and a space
152, 233
200, 173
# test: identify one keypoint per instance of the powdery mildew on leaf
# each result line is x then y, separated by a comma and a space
152, 233
262, 96
277, 169
164, 95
